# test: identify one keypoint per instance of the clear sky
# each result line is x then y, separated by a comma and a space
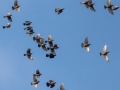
73, 66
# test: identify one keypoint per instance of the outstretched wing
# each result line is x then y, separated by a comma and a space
106, 58
16, 3
42, 41
87, 49
108, 3
49, 38
44, 48
28, 50
104, 48
110, 10
92, 8
86, 40
10, 19
34, 79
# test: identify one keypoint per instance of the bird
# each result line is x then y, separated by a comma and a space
105, 53
28, 28
38, 74
86, 44
115, 7
37, 38
35, 82
29, 54
109, 6
88, 4
42, 43
8, 17
7, 26
30, 32
59, 10
27, 23
62, 87
51, 83
16, 6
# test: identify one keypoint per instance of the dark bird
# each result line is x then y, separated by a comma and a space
115, 7
29, 54
51, 83
35, 82
42, 43
27, 23
16, 6
105, 53
8, 17
109, 6
28, 28
38, 74
30, 32
37, 38
59, 10
88, 4
7, 26
86, 44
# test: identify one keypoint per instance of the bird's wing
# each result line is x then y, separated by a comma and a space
28, 50
42, 41
38, 36
51, 81
92, 8
86, 40
16, 3
18, 9
44, 48
87, 49
49, 38
110, 10
53, 51
34, 79
108, 3
37, 72
35, 85
104, 48
62, 87
30, 57
106, 58
86, 5
10, 19
51, 44
90, 1
30, 34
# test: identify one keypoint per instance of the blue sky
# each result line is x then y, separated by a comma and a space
73, 66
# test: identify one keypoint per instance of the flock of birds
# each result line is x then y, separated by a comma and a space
42, 43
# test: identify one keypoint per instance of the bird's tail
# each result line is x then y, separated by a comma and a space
3, 27
82, 45
47, 82
100, 54
105, 7
34, 38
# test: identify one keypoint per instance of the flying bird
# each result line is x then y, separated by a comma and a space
109, 6
30, 32
27, 23
59, 10
88, 4
29, 54
42, 43
37, 38
86, 44
35, 82
105, 53
16, 6
38, 74
28, 28
8, 17
7, 26
51, 83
